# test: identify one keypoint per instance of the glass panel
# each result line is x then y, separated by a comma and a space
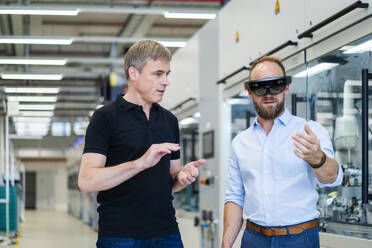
188, 198
296, 99
241, 113
334, 100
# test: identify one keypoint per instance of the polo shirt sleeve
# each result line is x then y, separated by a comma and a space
235, 190
98, 134
176, 132
327, 148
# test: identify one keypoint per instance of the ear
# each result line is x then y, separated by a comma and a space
286, 91
249, 93
133, 73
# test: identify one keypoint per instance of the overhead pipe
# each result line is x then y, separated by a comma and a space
348, 9
223, 80
277, 49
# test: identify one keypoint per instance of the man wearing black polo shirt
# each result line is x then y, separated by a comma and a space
131, 156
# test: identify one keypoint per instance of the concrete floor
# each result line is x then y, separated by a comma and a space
55, 229
58, 229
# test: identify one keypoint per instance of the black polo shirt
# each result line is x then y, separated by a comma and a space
140, 207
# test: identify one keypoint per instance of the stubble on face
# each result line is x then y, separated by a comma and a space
270, 112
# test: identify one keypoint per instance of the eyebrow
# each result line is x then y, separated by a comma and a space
161, 71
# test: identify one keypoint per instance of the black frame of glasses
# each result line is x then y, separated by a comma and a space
287, 79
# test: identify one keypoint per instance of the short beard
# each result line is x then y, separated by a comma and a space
269, 113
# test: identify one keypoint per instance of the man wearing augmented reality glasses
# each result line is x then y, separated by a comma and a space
274, 168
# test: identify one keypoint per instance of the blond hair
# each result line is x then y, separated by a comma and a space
141, 51
270, 59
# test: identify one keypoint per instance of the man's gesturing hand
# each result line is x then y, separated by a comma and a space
189, 172
309, 146
153, 155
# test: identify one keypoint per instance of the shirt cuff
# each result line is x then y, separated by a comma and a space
236, 201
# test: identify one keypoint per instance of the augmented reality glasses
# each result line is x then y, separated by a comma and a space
264, 86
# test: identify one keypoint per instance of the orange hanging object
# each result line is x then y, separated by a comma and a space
237, 37
277, 7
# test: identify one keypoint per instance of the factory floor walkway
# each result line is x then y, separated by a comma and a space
55, 229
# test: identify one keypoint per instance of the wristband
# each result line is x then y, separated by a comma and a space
321, 163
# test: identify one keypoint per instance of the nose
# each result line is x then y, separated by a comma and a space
165, 81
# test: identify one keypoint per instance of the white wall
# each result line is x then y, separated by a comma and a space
212, 195
51, 185
191, 235
45, 190
184, 75
260, 30
60, 189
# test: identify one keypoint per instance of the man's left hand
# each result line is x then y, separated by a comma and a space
189, 172
308, 146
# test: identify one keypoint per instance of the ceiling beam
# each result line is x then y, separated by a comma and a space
90, 39
18, 29
5, 31
36, 22
144, 26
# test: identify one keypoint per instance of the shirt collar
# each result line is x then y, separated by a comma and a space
283, 118
128, 105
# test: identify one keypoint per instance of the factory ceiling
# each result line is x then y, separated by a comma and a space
82, 47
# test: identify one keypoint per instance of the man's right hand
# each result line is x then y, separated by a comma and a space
156, 151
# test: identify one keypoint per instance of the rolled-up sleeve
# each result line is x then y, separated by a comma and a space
327, 148
235, 191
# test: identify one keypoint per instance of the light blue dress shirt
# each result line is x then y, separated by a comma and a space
272, 185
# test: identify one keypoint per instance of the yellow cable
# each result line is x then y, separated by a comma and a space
19, 235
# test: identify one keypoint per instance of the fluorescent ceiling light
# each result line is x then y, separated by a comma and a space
31, 10
32, 76
364, 47
54, 90
37, 113
189, 15
188, 121
67, 40
173, 43
316, 69
32, 119
236, 101
345, 48
36, 107
32, 98
196, 115
72, 11
43, 41
31, 61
